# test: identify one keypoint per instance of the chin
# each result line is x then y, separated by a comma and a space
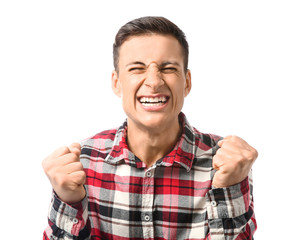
158, 121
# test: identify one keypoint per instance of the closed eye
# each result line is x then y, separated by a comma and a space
135, 68
168, 70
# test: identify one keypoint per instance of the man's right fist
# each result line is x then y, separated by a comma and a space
66, 173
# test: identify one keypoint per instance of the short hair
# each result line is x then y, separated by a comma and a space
148, 25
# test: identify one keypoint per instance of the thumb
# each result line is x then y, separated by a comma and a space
220, 143
216, 180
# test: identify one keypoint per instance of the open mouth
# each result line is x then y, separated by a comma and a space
153, 101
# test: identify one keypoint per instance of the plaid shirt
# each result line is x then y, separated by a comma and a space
173, 199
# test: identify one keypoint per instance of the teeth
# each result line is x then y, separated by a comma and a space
155, 101
153, 104
148, 100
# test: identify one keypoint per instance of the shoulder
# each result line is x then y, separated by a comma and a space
207, 139
101, 136
205, 147
105, 135
99, 144
204, 141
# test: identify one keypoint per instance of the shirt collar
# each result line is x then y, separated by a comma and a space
183, 152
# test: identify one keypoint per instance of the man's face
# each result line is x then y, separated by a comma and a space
151, 81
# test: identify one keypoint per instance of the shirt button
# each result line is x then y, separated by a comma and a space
213, 203
148, 174
75, 220
147, 218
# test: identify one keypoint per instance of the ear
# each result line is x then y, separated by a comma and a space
115, 84
188, 83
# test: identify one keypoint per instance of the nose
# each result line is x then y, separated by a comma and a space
154, 78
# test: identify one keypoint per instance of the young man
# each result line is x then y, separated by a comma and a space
155, 177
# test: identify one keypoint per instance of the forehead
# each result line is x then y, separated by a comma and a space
149, 48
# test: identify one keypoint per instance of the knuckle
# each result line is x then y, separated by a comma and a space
58, 179
47, 164
255, 153
64, 150
251, 155
83, 177
82, 174
78, 166
219, 152
239, 160
234, 137
75, 145
73, 157
79, 178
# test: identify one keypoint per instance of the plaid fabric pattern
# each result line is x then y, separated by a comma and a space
173, 199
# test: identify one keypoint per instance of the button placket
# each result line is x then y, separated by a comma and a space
147, 203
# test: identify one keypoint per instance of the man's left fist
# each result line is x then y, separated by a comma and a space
233, 161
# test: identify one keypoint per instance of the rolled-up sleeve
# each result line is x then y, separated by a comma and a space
67, 221
230, 211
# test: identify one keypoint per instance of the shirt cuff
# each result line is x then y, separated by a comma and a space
69, 218
229, 202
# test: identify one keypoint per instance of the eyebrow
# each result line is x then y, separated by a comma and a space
161, 65
135, 63
169, 63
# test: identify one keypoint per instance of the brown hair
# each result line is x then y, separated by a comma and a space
147, 25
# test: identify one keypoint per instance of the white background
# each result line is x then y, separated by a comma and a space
55, 69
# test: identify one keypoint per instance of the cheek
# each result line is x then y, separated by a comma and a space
128, 94
178, 95
179, 89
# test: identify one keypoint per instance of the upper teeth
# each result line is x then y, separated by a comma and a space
155, 99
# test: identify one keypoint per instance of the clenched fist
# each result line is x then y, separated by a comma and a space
233, 161
66, 173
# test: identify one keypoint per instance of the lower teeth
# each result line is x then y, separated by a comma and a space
153, 104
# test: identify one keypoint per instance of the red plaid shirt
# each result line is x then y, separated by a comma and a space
173, 199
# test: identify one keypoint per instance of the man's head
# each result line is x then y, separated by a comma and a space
145, 26
151, 74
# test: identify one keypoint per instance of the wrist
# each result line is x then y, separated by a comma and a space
71, 197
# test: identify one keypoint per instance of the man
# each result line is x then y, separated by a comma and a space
155, 177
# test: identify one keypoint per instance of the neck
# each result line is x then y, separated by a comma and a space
149, 145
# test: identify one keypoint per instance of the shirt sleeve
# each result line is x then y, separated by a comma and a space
230, 211
67, 221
